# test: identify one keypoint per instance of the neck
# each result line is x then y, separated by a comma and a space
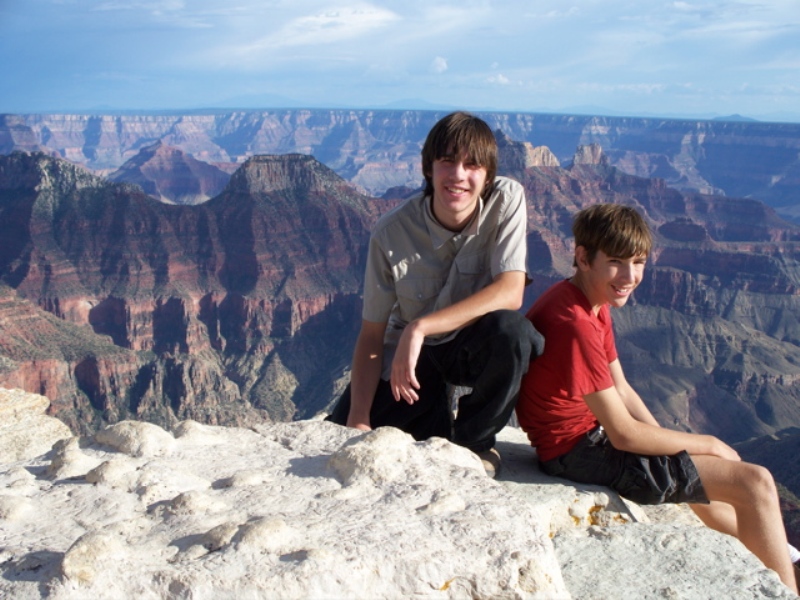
455, 225
577, 281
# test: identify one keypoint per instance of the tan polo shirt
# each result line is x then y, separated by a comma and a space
415, 266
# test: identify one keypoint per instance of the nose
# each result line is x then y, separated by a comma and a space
458, 170
628, 272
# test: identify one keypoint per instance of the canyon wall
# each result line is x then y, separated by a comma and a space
379, 149
249, 303
222, 312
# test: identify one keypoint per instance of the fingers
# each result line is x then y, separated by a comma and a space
404, 385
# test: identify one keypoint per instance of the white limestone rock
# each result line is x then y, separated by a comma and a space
25, 431
136, 438
314, 510
659, 561
298, 510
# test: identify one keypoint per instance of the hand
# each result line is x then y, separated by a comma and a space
721, 449
403, 380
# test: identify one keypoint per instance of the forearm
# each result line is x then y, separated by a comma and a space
505, 292
630, 399
644, 438
638, 409
365, 375
628, 433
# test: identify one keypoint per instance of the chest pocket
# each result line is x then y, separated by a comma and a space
472, 264
417, 297
470, 274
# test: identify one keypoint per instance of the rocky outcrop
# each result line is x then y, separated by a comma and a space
516, 157
171, 175
591, 154
25, 431
311, 509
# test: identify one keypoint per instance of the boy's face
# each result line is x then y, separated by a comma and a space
457, 186
608, 279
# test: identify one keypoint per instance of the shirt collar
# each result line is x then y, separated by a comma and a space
440, 235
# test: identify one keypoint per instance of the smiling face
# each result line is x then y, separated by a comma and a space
607, 279
458, 183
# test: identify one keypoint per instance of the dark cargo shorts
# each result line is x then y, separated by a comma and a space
642, 479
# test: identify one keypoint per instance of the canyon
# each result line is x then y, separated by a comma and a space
241, 304
379, 149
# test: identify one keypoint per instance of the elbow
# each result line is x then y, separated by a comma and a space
515, 303
514, 298
621, 440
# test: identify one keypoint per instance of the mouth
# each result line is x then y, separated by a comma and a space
456, 190
623, 291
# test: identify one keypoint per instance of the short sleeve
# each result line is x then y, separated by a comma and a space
585, 349
380, 294
510, 252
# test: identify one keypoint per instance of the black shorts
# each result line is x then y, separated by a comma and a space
642, 479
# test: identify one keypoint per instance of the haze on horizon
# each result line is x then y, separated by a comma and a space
692, 59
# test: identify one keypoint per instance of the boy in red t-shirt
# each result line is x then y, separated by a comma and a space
589, 425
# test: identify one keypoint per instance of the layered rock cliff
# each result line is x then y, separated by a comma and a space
314, 510
220, 308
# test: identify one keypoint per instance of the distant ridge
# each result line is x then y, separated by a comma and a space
379, 149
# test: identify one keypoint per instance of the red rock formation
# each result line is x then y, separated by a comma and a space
231, 281
171, 175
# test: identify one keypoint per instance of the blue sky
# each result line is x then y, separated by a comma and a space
640, 57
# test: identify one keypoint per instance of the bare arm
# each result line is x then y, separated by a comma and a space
365, 374
632, 401
630, 434
505, 292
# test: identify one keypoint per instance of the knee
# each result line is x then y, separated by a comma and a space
511, 331
509, 324
759, 483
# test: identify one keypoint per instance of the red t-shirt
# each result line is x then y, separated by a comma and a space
578, 348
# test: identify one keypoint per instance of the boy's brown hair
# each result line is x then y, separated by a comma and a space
461, 134
617, 230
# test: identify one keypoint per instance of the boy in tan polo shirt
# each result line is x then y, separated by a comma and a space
444, 281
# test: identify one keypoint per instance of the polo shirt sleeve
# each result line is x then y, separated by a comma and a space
510, 253
379, 286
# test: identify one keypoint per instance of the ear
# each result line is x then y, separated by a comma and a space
582, 259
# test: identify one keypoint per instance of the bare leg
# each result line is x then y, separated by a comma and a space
718, 516
751, 491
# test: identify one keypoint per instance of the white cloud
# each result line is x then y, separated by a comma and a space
328, 27
499, 79
438, 65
